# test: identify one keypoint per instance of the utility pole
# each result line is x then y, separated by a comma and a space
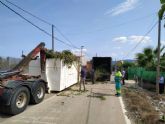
53, 37
79, 66
158, 57
160, 15
81, 53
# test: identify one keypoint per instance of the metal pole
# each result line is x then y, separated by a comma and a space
80, 64
81, 53
53, 37
158, 57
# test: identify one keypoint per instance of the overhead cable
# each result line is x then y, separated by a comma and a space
42, 20
148, 32
39, 28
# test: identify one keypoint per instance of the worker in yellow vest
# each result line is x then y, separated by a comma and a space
118, 77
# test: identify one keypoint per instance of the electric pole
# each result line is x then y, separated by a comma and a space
158, 56
53, 37
81, 53
160, 15
79, 67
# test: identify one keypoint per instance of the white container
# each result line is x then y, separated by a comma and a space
59, 76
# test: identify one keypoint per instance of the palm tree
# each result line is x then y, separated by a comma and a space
148, 58
162, 10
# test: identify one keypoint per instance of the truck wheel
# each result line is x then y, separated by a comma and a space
19, 101
39, 93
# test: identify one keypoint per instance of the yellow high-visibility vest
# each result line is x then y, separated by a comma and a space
118, 74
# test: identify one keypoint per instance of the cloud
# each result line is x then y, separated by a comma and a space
122, 7
163, 42
133, 39
136, 39
78, 51
120, 39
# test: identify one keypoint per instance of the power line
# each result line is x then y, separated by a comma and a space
25, 18
141, 39
46, 22
29, 13
42, 20
35, 24
120, 24
66, 38
133, 20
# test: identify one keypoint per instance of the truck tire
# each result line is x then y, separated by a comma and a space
19, 101
39, 93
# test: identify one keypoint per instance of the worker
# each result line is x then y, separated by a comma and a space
123, 77
118, 77
93, 75
83, 77
161, 84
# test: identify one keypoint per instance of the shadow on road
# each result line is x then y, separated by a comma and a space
2, 115
99, 95
102, 94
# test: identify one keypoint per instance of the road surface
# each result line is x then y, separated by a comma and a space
96, 106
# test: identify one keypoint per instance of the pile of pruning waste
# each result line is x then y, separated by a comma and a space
141, 106
67, 56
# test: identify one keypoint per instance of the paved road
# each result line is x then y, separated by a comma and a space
87, 108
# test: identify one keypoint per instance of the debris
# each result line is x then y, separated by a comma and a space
139, 106
101, 97
62, 103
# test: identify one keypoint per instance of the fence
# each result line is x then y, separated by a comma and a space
143, 74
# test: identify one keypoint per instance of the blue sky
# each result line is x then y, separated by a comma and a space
105, 27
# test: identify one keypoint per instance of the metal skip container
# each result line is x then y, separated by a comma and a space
59, 76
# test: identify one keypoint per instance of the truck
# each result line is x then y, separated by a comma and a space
102, 67
17, 90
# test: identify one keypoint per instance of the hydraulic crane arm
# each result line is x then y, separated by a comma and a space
25, 61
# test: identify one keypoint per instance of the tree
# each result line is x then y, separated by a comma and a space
128, 64
162, 1
162, 10
148, 58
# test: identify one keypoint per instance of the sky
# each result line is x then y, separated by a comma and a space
104, 27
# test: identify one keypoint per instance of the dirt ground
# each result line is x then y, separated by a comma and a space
143, 106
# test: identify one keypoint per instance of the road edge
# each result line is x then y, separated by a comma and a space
127, 120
